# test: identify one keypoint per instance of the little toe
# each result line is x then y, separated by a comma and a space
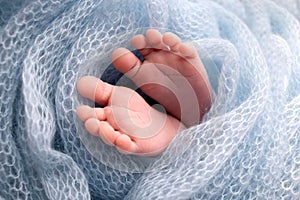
124, 60
85, 112
126, 145
171, 40
188, 50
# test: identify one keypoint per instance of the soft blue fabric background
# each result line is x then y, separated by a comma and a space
248, 146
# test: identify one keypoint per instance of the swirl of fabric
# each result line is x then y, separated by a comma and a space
247, 147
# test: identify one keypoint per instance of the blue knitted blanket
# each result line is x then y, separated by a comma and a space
247, 147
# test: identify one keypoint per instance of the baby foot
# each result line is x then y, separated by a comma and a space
171, 73
126, 121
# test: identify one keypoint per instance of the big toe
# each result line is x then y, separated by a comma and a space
124, 60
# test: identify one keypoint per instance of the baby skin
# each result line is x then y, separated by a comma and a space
171, 73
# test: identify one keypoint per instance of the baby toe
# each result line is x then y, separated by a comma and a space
124, 60
85, 112
139, 42
100, 114
94, 89
153, 37
86, 86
